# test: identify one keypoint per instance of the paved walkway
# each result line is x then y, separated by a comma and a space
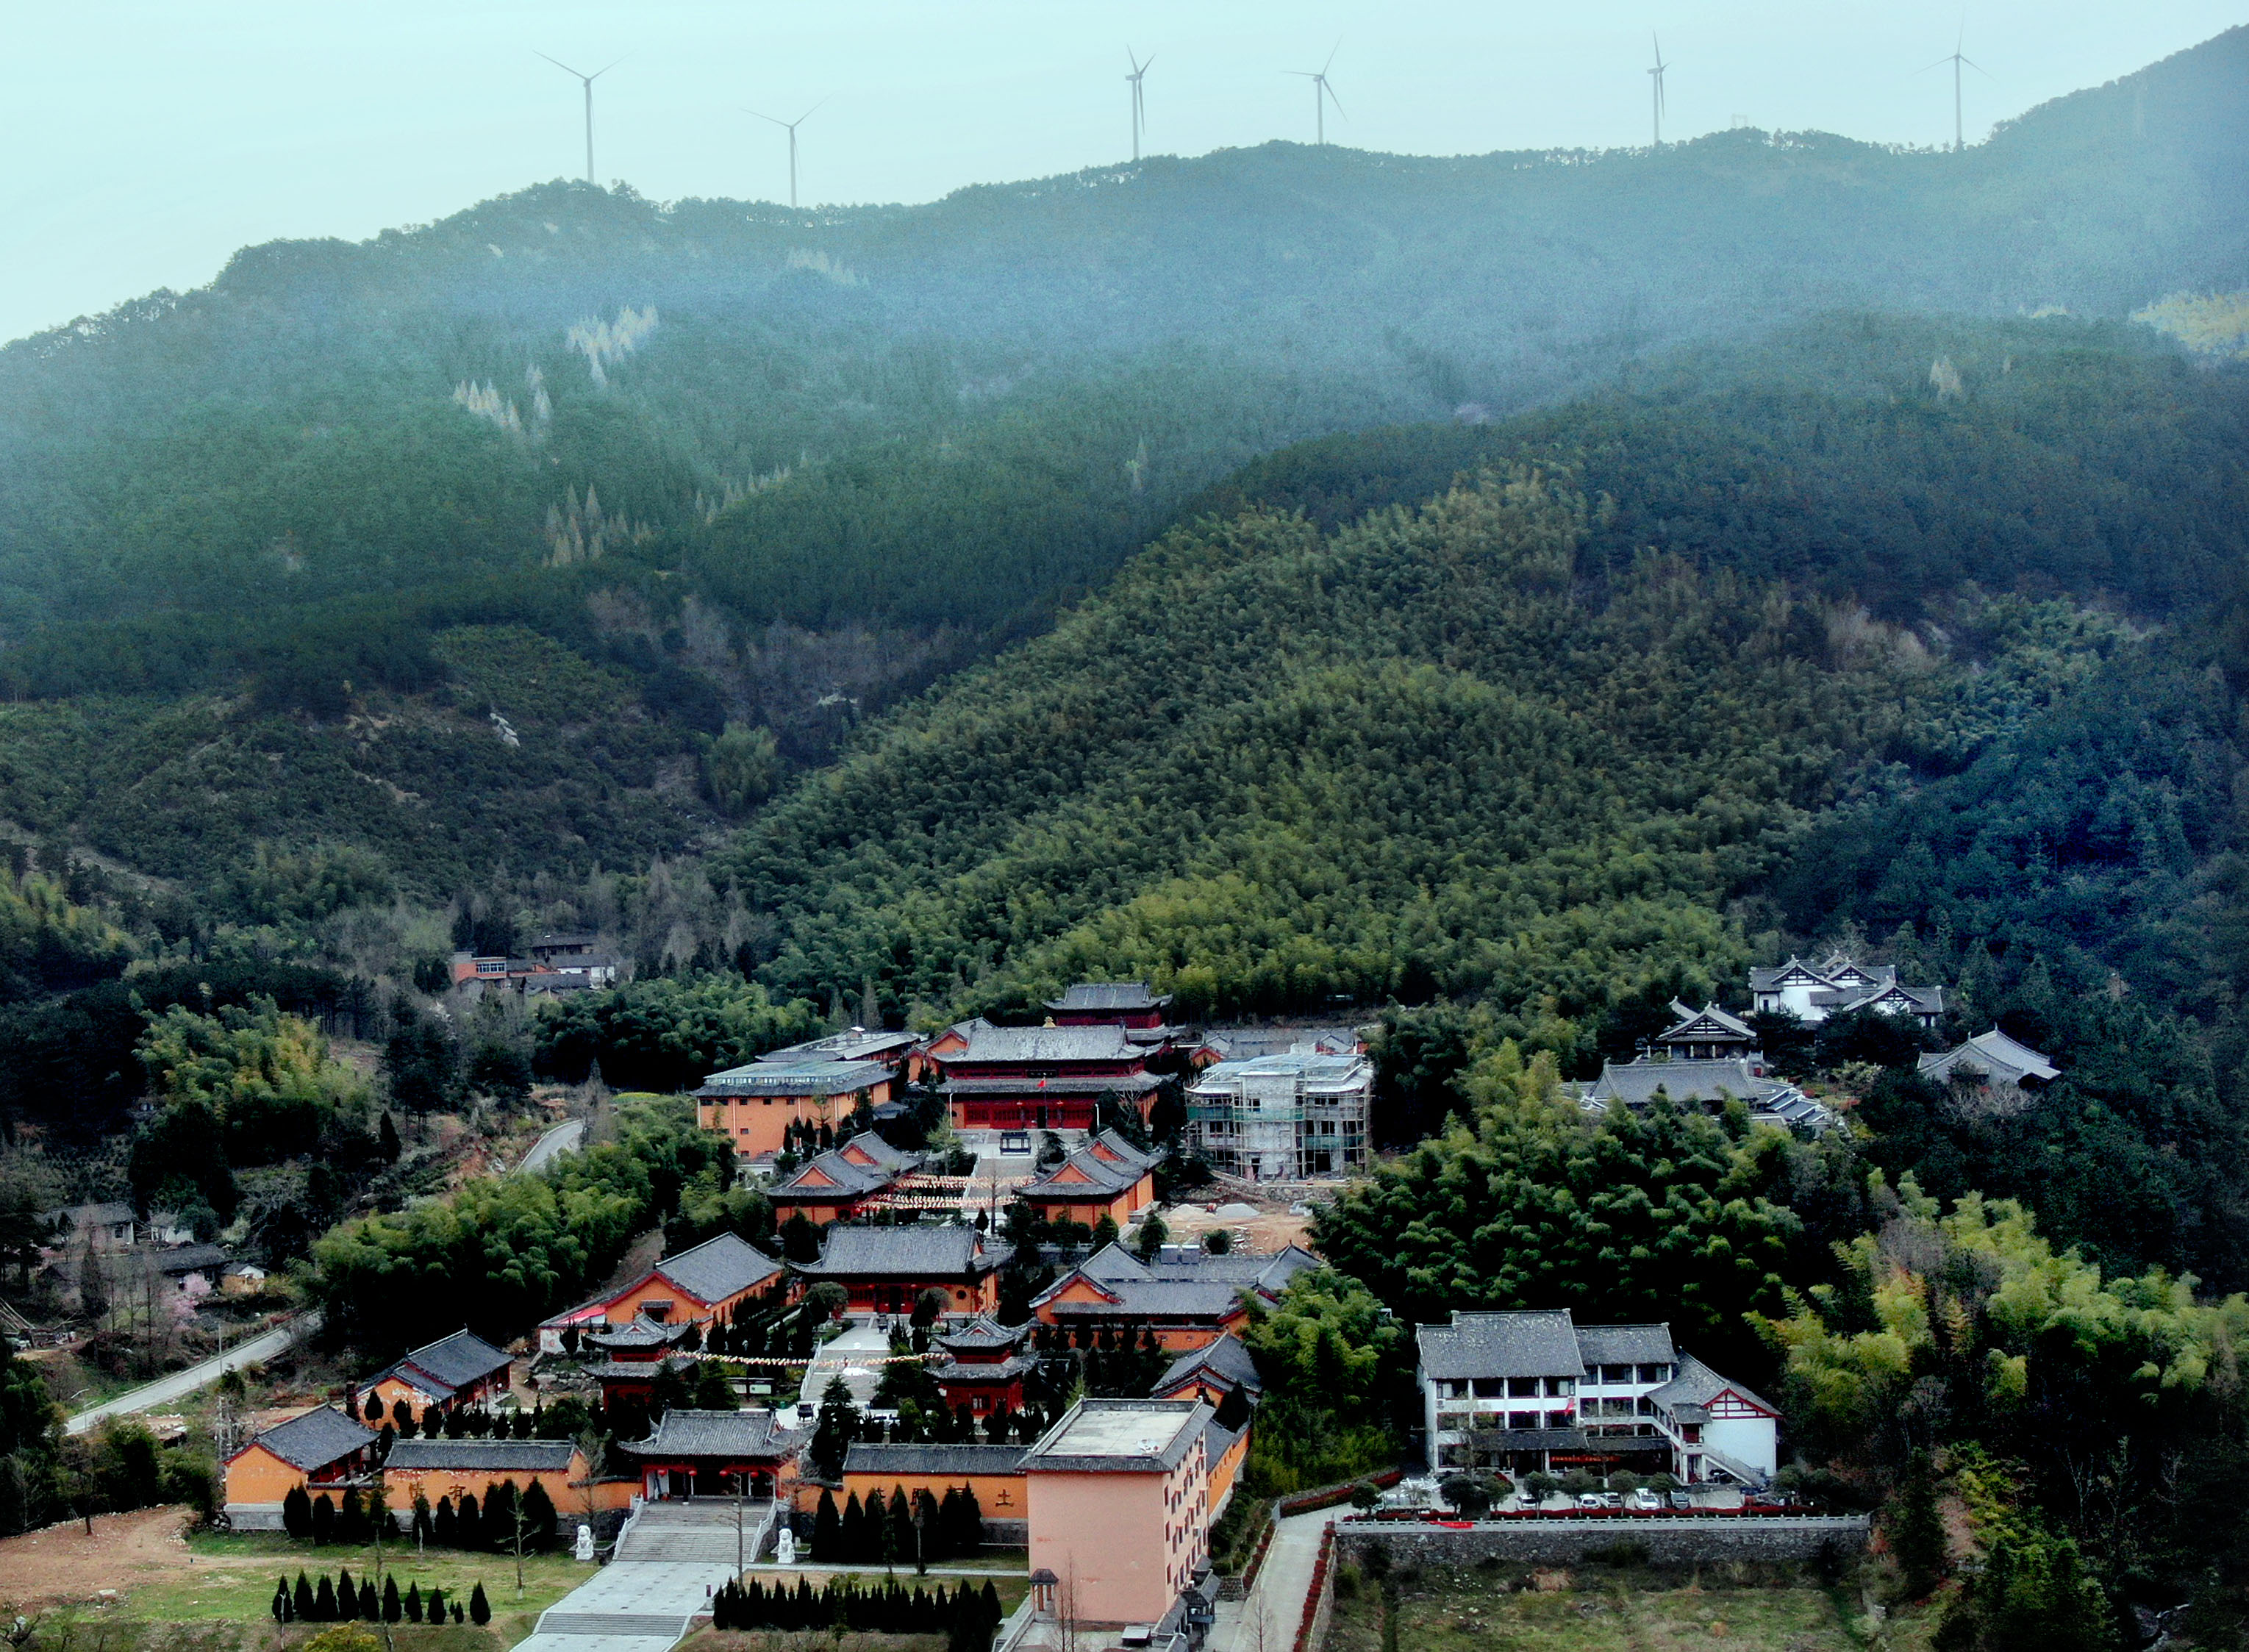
565, 1137
180, 1384
1267, 1621
845, 1357
629, 1607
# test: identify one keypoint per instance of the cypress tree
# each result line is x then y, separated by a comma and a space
968, 1536
352, 1525
853, 1532
898, 1543
500, 1515
300, 1599
370, 1608
347, 1595
826, 1534
456, 1612
414, 1603
479, 1607
324, 1521
1916, 1530
281, 1601
393, 1607
324, 1601
423, 1531
297, 1514
538, 1517
434, 1612
932, 1531
446, 1528
469, 1526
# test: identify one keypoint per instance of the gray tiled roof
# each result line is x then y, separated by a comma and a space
451, 1362
1120, 1436
1994, 1056
979, 1334
1110, 1141
987, 1043
714, 1434
191, 1259
316, 1439
845, 1046
842, 1180
1634, 1082
1061, 1084
952, 1252
718, 1267
1100, 1179
642, 1332
1697, 1385
1154, 1299
1108, 994
945, 1461
1246, 1043
1625, 1344
481, 1456
106, 1215
1535, 1342
808, 1075
1720, 1025
891, 1158
1225, 1359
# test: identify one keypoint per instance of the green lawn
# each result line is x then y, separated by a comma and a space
1595, 1608
233, 1576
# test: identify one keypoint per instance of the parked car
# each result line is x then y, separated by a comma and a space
1646, 1500
1772, 1500
1611, 1499
1683, 1499
1591, 1500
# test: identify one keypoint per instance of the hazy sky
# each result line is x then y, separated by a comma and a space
151, 139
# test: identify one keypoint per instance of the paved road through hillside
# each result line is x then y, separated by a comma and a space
180, 1384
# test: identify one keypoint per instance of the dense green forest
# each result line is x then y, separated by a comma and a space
268, 548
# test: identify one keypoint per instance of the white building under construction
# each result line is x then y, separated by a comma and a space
1286, 1117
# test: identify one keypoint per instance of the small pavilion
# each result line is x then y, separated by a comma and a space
634, 1357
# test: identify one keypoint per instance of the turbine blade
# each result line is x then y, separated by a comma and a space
1978, 67
606, 68
808, 113
1330, 64
1331, 91
559, 64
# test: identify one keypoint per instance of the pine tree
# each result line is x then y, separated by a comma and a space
347, 1595
434, 1612
297, 1514
370, 1606
469, 1526
393, 1607
301, 1603
324, 1521
324, 1601
281, 1608
414, 1603
446, 1527
479, 1607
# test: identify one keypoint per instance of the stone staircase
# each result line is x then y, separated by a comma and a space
700, 1531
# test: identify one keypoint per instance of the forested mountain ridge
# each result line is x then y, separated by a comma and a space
290, 434
1157, 786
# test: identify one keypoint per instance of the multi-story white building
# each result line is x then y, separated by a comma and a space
1282, 1117
1531, 1390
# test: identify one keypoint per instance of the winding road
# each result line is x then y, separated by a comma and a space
180, 1384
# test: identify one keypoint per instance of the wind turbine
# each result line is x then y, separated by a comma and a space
1139, 105
1655, 82
588, 79
790, 127
1959, 133
1323, 94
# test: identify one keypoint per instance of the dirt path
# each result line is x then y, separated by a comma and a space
62, 1562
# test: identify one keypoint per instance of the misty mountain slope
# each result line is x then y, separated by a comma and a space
1532, 746
289, 435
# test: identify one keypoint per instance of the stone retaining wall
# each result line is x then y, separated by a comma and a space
1668, 1542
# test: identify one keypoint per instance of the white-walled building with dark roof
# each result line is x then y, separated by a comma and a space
1528, 1390
1839, 986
